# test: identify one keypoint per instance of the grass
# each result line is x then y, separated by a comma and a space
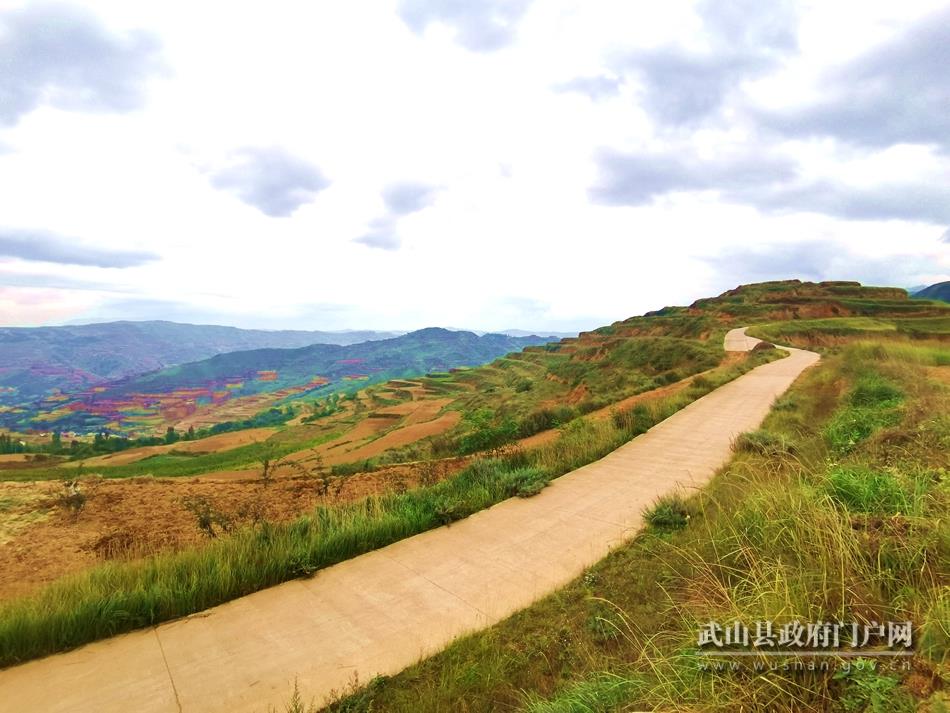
511, 398
791, 528
180, 465
669, 513
764, 443
822, 333
120, 596
860, 489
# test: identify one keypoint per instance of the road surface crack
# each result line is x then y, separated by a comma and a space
168, 670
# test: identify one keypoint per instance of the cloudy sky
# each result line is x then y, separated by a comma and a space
504, 163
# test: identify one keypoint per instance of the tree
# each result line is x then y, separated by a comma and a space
56, 442
9, 444
190, 435
270, 460
171, 436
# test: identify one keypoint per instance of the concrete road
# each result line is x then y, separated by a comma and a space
383, 611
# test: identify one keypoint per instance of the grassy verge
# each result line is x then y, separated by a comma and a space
121, 596
811, 520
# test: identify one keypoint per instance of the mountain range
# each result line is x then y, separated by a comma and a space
70, 358
80, 397
38, 360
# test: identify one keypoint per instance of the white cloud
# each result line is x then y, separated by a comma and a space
392, 122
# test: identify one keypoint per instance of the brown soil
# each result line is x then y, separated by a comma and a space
41, 540
399, 437
211, 444
940, 373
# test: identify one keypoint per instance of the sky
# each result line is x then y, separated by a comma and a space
537, 164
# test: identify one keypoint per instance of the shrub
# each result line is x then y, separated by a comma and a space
545, 419
488, 432
668, 513
761, 442
72, 498
525, 482
701, 382
634, 420
209, 519
523, 385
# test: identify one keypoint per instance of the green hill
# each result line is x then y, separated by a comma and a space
938, 291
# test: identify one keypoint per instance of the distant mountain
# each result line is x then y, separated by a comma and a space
939, 291
38, 359
537, 333
412, 354
146, 402
519, 333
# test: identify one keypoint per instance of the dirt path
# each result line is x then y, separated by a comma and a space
380, 612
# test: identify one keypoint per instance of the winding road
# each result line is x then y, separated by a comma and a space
383, 611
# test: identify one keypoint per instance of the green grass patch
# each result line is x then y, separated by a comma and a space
669, 513
861, 489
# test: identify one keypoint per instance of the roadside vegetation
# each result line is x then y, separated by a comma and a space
559, 392
122, 595
837, 509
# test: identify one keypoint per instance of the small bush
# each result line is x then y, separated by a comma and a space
668, 514
761, 442
701, 382
634, 420
208, 518
525, 482
487, 432
545, 419
523, 385
72, 498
